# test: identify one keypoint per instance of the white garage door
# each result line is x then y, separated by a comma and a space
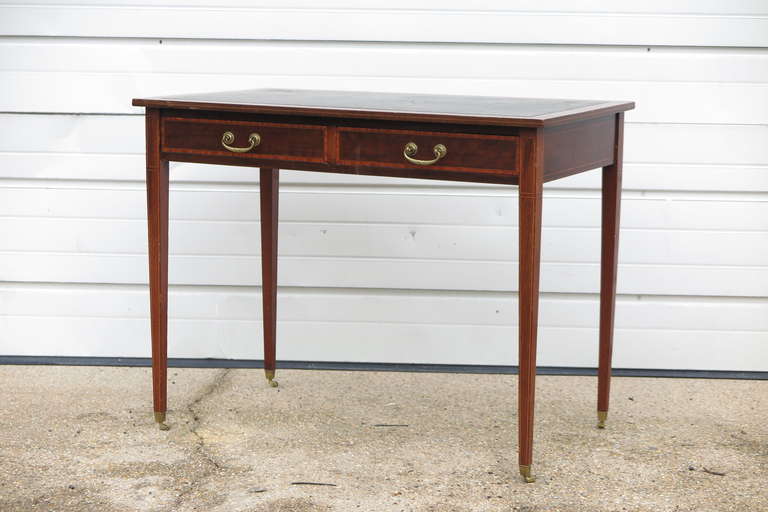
375, 269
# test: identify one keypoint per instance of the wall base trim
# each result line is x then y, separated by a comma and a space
377, 367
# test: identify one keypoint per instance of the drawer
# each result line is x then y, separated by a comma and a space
362, 147
271, 141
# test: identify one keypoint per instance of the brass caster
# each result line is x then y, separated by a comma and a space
525, 471
271, 377
160, 419
601, 417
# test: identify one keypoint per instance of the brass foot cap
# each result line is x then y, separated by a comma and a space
271, 377
525, 471
601, 417
160, 419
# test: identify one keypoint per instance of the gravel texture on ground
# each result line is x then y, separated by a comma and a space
83, 439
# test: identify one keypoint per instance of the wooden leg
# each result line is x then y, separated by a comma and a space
530, 205
157, 217
608, 269
269, 186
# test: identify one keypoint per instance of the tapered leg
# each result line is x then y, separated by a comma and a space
157, 217
530, 205
608, 269
269, 186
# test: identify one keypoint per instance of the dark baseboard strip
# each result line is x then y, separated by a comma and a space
376, 367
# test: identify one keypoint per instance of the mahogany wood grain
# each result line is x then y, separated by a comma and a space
364, 147
269, 192
424, 173
182, 141
415, 124
530, 206
455, 109
294, 142
157, 220
490, 140
576, 147
609, 256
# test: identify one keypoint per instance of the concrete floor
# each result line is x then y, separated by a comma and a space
82, 438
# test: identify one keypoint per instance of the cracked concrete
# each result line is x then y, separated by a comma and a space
201, 450
83, 439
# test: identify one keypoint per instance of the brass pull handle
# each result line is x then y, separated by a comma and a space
228, 138
411, 148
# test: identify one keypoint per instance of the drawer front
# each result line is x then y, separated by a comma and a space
464, 151
274, 141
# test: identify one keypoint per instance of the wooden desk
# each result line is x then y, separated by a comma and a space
513, 141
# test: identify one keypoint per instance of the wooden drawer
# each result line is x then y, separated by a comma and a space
276, 141
363, 147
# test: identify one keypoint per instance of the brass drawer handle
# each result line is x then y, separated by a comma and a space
254, 140
411, 148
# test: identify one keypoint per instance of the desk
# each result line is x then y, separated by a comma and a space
512, 141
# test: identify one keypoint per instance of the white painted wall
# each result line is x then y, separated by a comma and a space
375, 269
